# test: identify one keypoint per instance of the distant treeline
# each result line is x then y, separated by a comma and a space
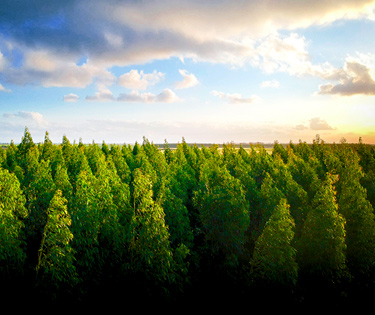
125, 222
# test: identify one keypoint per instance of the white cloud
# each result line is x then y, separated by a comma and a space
139, 80
166, 96
319, 124
103, 95
3, 89
189, 80
71, 98
270, 84
3, 62
135, 97
118, 33
236, 98
227, 19
50, 69
33, 118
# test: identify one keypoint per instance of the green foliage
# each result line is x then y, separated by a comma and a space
274, 258
12, 215
223, 211
322, 248
56, 256
136, 220
150, 249
358, 212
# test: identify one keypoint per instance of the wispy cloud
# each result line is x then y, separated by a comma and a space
24, 117
189, 80
270, 84
3, 89
71, 98
166, 96
236, 98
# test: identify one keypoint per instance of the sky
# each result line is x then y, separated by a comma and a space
206, 71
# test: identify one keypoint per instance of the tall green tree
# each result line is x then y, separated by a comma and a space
358, 212
151, 254
269, 197
39, 193
86, 227
321, 247
55, 268
274, 258
223, 212
48, 148
12, 216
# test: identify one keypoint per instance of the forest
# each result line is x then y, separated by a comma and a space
86, 222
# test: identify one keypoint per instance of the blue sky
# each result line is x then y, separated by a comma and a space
242, 71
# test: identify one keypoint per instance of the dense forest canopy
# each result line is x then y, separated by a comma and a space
78, 221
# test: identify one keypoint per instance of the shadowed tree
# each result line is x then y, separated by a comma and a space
223, 212
274, 258
322, 248
358, 212
151, 255
55, 269
12, 216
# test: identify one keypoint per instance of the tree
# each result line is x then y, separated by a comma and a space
269, 197
303, 173
122, 167
25, 145
48, 148
223, 212
55, 268
358, 212
12, 216
62, 182
296, 196
151, 254
274, 258
86, 227
39, 193
322, 248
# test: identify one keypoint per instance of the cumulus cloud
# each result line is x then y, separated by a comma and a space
103, 95
51, 69
189, 80
236, 98
317, 123
270, 84
135, 80
128, 32
33, 118
166, 96
117, 33
71, 98
355, 78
